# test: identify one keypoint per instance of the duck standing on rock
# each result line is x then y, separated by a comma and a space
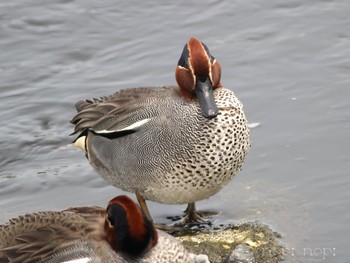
119, 234
170, 144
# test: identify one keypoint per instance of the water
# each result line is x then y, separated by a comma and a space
289, 63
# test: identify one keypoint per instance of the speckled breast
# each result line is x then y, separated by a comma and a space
179, 156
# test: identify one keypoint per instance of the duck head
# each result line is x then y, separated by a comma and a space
127, 228
198, 73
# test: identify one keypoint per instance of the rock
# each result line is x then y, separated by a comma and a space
241, 254
201, 258
245, 241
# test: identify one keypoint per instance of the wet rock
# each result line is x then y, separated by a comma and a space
241, 254
246, 241
200, 258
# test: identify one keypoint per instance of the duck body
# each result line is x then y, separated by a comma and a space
171, 145
89, 234
156, 142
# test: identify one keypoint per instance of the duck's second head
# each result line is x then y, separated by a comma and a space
198, 73
127, 228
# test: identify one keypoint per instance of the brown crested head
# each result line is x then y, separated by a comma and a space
198, 73
127, 228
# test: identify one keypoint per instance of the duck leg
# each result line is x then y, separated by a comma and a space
144, 206
192, 216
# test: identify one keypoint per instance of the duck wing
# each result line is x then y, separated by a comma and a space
124, 111
50, 237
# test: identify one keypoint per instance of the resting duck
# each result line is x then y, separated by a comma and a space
171, 145
120, 233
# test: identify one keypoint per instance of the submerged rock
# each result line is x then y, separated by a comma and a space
244, 243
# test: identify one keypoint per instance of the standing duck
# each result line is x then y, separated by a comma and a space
171, 145
120, 233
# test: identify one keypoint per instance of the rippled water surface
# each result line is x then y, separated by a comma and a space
288, 62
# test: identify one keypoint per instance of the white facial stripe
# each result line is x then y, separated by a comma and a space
133, 126
190, 67
80, 260
210, 75
209, 65
189, 57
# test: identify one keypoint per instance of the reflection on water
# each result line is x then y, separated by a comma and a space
288, 63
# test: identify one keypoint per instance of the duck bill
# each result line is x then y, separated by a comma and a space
204, 91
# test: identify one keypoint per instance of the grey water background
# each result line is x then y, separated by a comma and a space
288, 62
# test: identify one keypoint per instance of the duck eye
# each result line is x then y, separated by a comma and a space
183, 61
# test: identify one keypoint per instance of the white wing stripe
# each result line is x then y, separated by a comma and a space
133, 126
